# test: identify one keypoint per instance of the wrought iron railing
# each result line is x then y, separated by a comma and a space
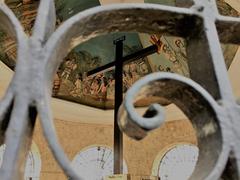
207, 99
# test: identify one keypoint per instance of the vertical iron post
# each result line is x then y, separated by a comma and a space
118, 136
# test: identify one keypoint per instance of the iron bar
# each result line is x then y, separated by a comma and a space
118, 136
126, 59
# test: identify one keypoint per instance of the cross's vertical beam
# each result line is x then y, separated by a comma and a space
118, 137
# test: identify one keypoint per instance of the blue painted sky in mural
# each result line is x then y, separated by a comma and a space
101, 46
68, 8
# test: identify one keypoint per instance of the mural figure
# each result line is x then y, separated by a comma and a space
56, 84
111, 88
102, 91
70, 65
78, 86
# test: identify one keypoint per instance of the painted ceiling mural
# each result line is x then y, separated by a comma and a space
71, 82
225, 9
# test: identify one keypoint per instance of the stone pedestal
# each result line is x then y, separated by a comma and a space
130, 177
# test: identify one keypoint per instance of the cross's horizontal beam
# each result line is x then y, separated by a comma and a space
127, 59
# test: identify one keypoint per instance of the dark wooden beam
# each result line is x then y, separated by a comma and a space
118, 136
127, 59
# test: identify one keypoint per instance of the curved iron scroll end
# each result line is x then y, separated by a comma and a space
135, 126
198, 105
130, 122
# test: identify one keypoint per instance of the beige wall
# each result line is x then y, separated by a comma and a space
233, 73
139, 155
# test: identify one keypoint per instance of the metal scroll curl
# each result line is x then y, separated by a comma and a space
45, 49
27, 92
17, 113
11, 25
86, 25
194, 101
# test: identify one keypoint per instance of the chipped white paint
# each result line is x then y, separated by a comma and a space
208, 129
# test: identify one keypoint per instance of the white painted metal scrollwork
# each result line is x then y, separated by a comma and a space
209, 96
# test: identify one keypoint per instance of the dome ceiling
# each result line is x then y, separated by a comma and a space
70, 81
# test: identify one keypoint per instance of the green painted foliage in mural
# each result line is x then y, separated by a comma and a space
66, 9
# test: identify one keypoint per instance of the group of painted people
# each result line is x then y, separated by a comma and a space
102, 86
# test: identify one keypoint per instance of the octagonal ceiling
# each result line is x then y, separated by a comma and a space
70, 82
